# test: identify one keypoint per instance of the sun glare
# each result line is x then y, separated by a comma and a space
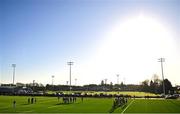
133, 46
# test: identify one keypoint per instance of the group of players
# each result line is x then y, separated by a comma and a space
32, 100
67, 100
119, 101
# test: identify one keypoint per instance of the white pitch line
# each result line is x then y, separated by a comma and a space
127, 107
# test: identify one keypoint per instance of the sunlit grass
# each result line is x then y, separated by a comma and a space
89, 105
136, 93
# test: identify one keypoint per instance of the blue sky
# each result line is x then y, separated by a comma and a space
40, 36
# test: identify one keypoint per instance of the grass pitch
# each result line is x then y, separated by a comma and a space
51, 104
151, 106
89, 105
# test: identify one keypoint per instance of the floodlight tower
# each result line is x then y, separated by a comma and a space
124, 80
52, 79
14, 66
105, 81
33, 84
75, 81
162, 71
70, 64
117, 78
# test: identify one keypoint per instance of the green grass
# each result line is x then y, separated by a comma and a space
89, 105
152, 106
51, 104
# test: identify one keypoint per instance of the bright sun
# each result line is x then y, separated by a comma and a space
140, 35
131, 48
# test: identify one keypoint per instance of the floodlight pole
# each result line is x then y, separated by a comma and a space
52, 79
105, 81
117, 78
124, 80
162, 60
33, 84
70, 63
75, 81
14, 66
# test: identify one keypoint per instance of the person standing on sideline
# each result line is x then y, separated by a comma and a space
34, 100
58, 98
28, 100
82, 99
14, 104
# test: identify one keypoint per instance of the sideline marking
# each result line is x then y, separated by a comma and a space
127, 107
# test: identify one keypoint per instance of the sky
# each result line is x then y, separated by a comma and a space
102, 37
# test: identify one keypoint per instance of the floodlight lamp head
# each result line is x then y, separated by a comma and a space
70, 63
161, 60
13, 65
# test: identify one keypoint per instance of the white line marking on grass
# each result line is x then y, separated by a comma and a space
127, 107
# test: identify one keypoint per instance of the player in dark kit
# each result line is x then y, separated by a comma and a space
28, 100
14, 104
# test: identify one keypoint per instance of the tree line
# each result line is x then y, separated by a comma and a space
155, 85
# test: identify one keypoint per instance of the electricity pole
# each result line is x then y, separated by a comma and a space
162, 60
70, 63
14, 66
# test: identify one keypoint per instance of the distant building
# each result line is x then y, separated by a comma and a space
8, 90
